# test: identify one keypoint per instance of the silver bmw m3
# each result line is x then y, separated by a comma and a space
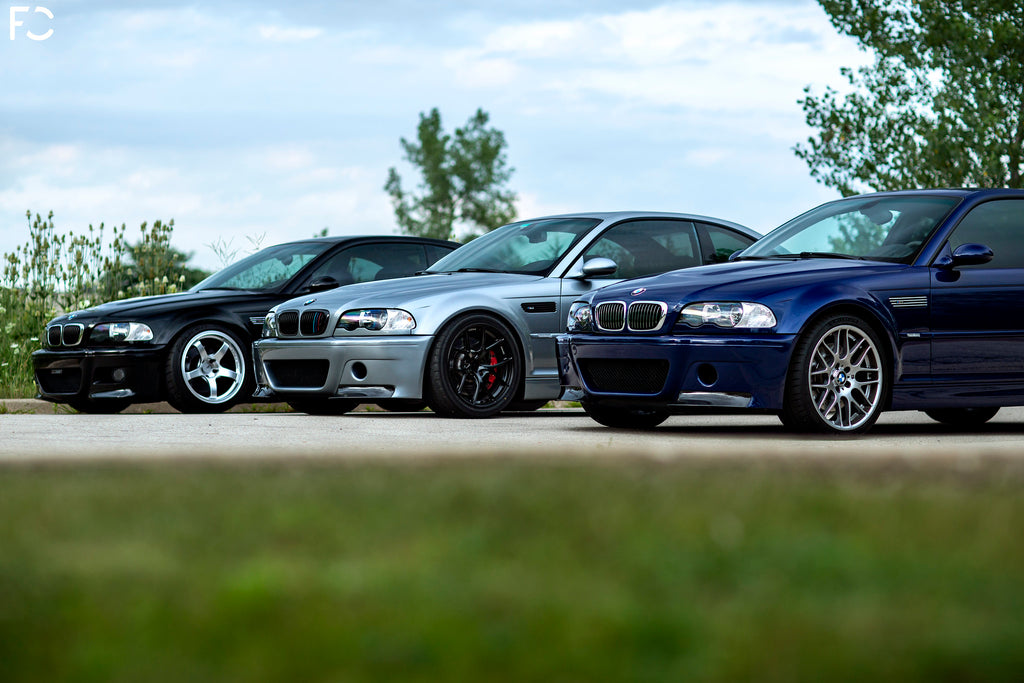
474, 334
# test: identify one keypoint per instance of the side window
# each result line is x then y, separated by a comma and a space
647, 247
435, 253
723, 242
998, 225
373, 262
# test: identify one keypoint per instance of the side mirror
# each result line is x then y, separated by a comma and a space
964, 255
597, 267
322, 283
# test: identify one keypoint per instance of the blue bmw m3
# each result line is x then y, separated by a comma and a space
908, 300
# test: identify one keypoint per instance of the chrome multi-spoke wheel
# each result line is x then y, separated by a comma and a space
206, 370
837, 379
474, 368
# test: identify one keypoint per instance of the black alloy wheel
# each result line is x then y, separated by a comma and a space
323, 406
207, 370
962, 418
474, 368
624, 418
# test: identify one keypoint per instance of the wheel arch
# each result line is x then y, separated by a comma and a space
878, 325
481, 310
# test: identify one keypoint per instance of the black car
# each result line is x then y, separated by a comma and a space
193, 349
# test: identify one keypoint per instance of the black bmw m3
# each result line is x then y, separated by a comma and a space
194, 348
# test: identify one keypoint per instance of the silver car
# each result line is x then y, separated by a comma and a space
474, 334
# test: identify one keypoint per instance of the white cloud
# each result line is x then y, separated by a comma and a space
283, 34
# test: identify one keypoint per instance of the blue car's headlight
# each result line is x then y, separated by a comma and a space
377, 320
729, 314
581, 318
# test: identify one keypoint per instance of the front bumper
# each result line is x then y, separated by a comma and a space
97, 374
371, 368
679, 372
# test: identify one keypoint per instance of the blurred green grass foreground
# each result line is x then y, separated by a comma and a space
511, 570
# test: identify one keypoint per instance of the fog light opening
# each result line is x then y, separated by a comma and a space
359, 371
119, 374
707, 375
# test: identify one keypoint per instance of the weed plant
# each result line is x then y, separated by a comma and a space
57, 272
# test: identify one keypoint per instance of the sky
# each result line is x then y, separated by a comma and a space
253, 123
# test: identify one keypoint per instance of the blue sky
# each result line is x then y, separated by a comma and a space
274, 120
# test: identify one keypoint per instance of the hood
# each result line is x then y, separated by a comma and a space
740, 280
142, 306
407, 291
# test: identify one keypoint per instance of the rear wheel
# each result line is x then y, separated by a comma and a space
962, 417
625, 418
474, 368
323, 406
207, 370
100, 406
836, 382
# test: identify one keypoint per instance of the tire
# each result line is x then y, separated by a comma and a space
324, 406
624, 418
474, 368
526, 406
109, 406
962, 418
838, 378
207, 370
402, 405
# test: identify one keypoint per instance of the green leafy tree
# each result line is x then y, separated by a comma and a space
463, 179
941, 106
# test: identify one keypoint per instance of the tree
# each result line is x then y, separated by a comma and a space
941, 106
463, 179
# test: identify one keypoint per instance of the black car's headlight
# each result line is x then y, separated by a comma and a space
730, 314
377, 320
269, 325
581, 318
122, 332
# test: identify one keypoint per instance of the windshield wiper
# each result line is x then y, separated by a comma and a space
477, 270
226, 289
829, 254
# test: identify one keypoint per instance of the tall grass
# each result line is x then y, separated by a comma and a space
56, 272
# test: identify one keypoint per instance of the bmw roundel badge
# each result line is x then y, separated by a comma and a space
638, 291
308, 301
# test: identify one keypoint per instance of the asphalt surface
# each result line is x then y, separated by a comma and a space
158, 433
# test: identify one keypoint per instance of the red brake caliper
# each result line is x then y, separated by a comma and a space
491, 378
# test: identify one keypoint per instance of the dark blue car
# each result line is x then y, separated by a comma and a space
894, 301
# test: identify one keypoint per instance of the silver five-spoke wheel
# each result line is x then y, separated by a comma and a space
206, 370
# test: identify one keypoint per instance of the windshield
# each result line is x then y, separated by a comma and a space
530, 247
874, 228
265, 270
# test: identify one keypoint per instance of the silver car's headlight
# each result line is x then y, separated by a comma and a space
581, 318
729, 314
124, 332
269, 325
377, 320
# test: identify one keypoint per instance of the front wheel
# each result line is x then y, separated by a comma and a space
625, 418
474, 368
962, 418
206, 370
323, 406
837, 378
